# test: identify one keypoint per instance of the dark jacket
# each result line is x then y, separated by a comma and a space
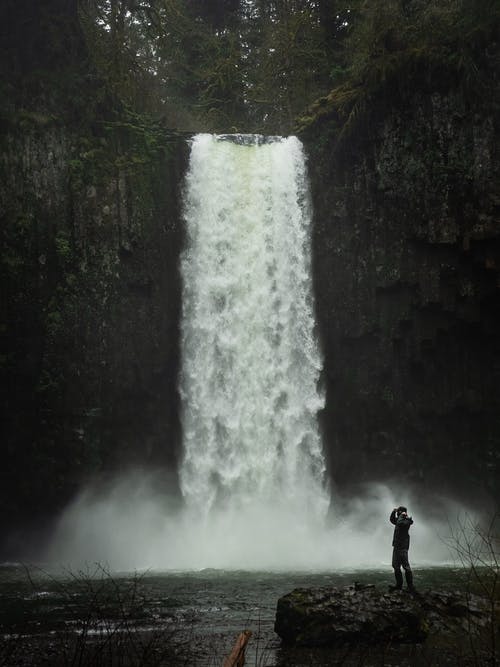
401, 538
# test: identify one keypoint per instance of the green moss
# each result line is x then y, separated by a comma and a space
127, 144
63, 246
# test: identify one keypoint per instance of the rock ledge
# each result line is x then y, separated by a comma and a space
322, 616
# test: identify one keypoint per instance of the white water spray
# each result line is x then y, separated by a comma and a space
251, 363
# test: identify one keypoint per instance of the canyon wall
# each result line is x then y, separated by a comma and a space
90, 237
407, 278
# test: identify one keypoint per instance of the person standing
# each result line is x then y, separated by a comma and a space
401, 543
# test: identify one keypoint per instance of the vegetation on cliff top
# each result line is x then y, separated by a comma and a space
393, 44
234, 65
256, 66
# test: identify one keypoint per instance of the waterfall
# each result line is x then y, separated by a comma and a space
252, 473
250, 359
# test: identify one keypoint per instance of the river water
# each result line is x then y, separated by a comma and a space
199, 614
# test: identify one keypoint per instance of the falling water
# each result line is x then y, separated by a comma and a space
251, 362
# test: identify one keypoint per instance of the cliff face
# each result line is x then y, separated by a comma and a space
407, 262
90, 238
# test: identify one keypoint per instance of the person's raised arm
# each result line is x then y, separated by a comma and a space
393, 518
404, 520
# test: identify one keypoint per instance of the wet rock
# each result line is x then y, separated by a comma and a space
354, 614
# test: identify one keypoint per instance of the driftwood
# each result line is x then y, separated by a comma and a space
237, 656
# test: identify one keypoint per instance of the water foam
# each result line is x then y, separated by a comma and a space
251, 363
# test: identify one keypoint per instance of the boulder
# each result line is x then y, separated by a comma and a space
354, 614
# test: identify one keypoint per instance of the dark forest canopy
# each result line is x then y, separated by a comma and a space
256, 66
249, 65
217, 65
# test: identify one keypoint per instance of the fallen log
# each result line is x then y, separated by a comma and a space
237, 656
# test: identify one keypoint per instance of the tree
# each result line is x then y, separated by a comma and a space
36, 35
229, 64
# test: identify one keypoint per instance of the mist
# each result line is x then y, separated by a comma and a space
130, 525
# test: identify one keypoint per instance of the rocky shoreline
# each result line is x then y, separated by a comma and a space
364, 614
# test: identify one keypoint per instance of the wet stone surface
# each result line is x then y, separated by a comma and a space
363, 613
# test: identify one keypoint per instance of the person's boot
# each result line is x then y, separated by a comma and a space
399, 581
409, 581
